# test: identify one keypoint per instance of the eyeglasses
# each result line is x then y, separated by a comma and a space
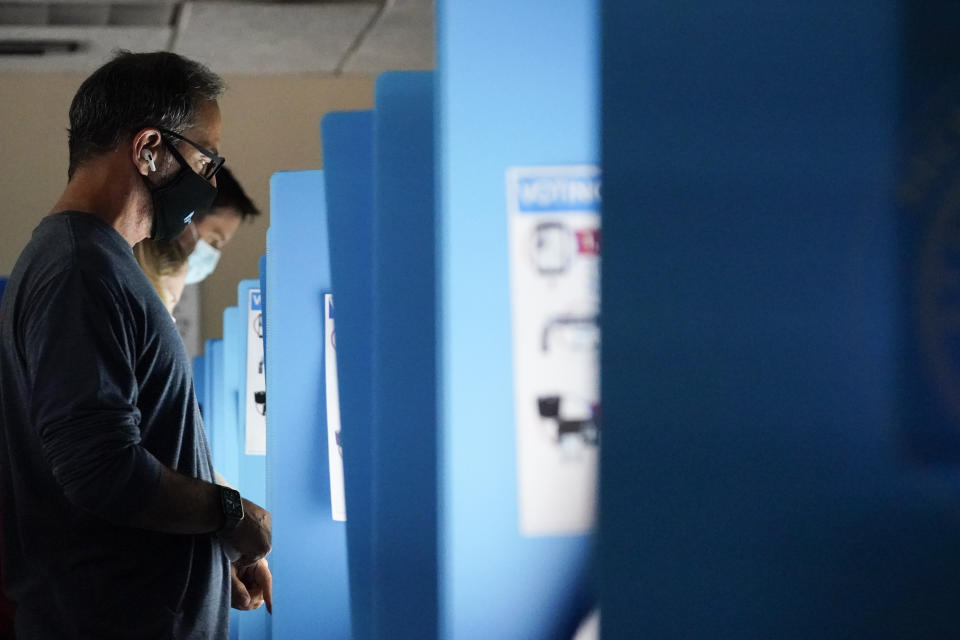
211, 168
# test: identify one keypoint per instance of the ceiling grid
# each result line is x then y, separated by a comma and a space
325, 37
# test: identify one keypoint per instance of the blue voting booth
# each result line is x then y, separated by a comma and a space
309, 561
379, 181
496, 581
226, 443
215, 390
348, 168
404, 426
761, 472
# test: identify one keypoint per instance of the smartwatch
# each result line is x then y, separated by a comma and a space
232, 507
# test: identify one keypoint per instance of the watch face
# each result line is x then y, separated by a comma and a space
232, 505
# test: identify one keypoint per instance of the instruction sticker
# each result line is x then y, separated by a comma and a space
554, 228
255, 441
338, 502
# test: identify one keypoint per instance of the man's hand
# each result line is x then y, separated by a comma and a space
251, 586
251, 539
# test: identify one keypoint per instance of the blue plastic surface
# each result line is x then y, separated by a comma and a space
309, 561
517, 87
226, 450
348, 157
755, 479
215, 392
405, 381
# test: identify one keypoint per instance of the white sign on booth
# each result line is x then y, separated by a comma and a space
554, 229
255, 438
338, 505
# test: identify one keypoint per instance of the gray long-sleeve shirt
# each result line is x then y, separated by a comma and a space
96, 393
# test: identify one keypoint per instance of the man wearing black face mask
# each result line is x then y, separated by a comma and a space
112, 524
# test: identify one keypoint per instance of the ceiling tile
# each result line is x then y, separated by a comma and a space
160, 14
271, 38
75, 14
401, 40
97, 43
23, 13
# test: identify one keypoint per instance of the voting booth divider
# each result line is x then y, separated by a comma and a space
213, 372
226, 450
404, 427
780, 202
518, 250
309, 561
226, 454
347, 140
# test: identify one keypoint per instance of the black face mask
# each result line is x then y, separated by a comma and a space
175, 202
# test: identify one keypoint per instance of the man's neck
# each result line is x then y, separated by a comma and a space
108, 190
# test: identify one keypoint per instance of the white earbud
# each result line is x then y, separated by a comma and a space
146, 155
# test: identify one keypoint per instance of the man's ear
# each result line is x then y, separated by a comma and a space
146, 149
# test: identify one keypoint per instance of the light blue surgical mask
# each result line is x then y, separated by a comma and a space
202, 261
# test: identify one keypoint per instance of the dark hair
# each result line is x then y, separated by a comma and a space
230, 195
134, 91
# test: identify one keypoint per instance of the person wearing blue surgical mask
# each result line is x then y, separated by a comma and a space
213, 229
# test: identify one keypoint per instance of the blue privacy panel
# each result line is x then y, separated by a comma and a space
540, 58
755, 479
226, 449
207, 402
215, 392
348, 162
309, 561
254, 625
405, 383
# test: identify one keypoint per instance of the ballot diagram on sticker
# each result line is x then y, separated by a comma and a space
554, 236
338, 502
255, 431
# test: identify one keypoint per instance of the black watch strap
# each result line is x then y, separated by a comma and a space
232, 507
